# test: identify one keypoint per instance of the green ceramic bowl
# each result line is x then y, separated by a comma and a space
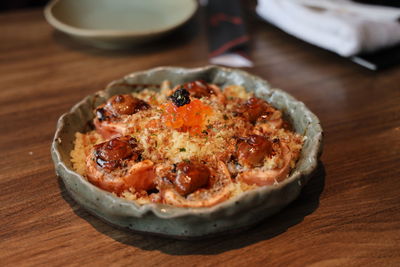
118, 23
238, 212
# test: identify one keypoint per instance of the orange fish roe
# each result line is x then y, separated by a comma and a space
187, 118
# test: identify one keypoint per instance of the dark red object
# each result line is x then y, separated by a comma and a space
226, 29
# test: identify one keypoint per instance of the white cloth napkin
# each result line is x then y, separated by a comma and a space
342, 26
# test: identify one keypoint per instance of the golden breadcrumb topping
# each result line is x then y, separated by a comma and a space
194, 145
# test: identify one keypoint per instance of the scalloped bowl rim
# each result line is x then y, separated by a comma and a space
171, 212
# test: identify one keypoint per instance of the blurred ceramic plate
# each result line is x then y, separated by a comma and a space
237, 212
118, 23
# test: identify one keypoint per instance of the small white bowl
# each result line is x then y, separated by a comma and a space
118, 23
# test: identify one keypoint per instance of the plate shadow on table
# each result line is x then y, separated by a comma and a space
173, 39
293, 214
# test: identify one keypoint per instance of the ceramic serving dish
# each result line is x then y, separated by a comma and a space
238, 212
118, 23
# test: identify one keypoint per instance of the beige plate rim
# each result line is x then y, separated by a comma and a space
56, 23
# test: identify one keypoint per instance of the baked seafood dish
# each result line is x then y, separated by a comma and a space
193, 145
186, 152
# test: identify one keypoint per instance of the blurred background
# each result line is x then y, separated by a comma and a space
353, 222
16, 4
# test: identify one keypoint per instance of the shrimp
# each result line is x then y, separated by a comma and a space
116, 166
253, 149
200, 89
190, 177
186, 193
269, 177
258, 110
109, 115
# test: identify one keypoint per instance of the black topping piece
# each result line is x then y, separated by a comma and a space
180, 97
101, 114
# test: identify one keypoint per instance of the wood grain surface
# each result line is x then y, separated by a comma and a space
348, 215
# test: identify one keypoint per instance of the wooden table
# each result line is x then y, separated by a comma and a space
349, 214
